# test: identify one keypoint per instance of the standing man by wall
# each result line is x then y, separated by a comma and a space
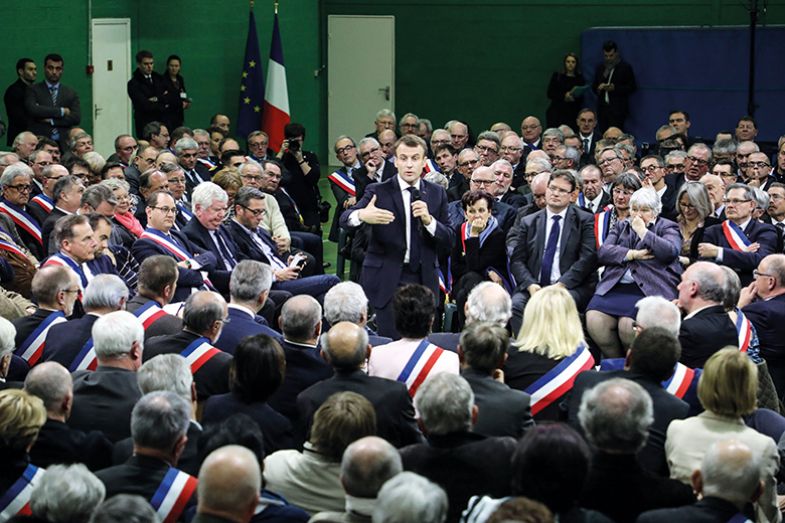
53, 108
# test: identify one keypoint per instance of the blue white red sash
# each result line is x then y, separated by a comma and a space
183, 208
11, 247
44, 202
430, 166
736, 238
556, 382
344, 181
744, 330
173, 494
680, 382
199, 352
419, 365
16, 499
32, 348
161, 240
602, 222
208, 163
444, 285
22, 219
65, 261
86, 359
149, 313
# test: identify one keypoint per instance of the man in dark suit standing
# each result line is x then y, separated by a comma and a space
706, 327
248, 290
613, 84
15, 98
730, 242
346, 349
147, 92
555, 246
407, 218
502, 411
763, 302
727, 482
53, 108
649, 362
104, 398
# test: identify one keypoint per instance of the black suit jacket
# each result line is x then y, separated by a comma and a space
491, 255
58, 443
577, 251
65, 340
704, 334
211, 378
457, 186
276, 428
140, 475
246, 247
40, 109
514, 199
361, 180
200, 236
304, 367
707, 510
140, 91
463, 464
189, 461
667, 408
15, 109
668, 200
103, 400
393, 405
47, 228
164, 325
383, 262
27, 324
502, 411
768, 317
744, 262
242, 325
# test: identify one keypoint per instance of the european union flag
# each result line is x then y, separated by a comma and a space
249, 116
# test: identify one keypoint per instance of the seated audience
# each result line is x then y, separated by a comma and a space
66, 494
155, 289
694, 215
347, 302
548, 353
125, 508
727, 390
229, 485
410, 497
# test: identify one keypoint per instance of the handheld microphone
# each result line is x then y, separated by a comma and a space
416, 197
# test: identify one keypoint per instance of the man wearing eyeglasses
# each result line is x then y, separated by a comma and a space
16, 183
776, 212
759, 171
374, 169
697, 162
186, 149
124, 147
763, 302
468, 161
503, 191
653, 168
611, 165
483, 179
487, 147
739, 242
142, 160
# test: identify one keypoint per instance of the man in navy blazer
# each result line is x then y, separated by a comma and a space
206, 229
717, 246
248, 291
576, 269
408, 228
763, 302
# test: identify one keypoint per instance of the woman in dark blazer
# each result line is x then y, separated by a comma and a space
256, 372
174, 116
641, 258
479, 254
564, 93
694, 214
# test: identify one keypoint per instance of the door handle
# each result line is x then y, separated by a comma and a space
97, 111
386, 92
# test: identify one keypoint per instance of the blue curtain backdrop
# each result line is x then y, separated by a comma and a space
701, 70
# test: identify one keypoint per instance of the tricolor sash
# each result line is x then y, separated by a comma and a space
44, 202
182, 208
736, 238
344, 181
86, 359
744, 330
199, 352
443, 283
161, 240
173, 494
16, 499
11, 247
149, 313
419, 365
22, 219
680, 382
208, 163
602, 222
65, 261
556, 382
430, 166
32, 348
581, 200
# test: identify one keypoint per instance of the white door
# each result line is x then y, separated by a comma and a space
111, 51
361, 73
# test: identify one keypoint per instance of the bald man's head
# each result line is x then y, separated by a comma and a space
51, 382
367, 464
301, 318
229, 483
345, 345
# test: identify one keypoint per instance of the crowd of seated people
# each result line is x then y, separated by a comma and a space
606, 342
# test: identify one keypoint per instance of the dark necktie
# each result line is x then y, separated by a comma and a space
550, 252
586, 145
226, 254
414, 237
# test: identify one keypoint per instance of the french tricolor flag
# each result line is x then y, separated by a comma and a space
276, 96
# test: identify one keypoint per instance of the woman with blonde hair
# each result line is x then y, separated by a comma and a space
550, 353
727, 390
229, 180
21, 417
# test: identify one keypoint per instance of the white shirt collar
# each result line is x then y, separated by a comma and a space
551, 214
405, 186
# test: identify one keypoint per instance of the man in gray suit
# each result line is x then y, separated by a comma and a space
53, 108
554, 246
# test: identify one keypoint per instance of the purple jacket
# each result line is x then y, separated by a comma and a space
656, 277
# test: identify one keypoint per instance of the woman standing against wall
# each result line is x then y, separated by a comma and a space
565, 91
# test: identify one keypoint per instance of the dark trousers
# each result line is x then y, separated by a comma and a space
312, 244
385, 318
